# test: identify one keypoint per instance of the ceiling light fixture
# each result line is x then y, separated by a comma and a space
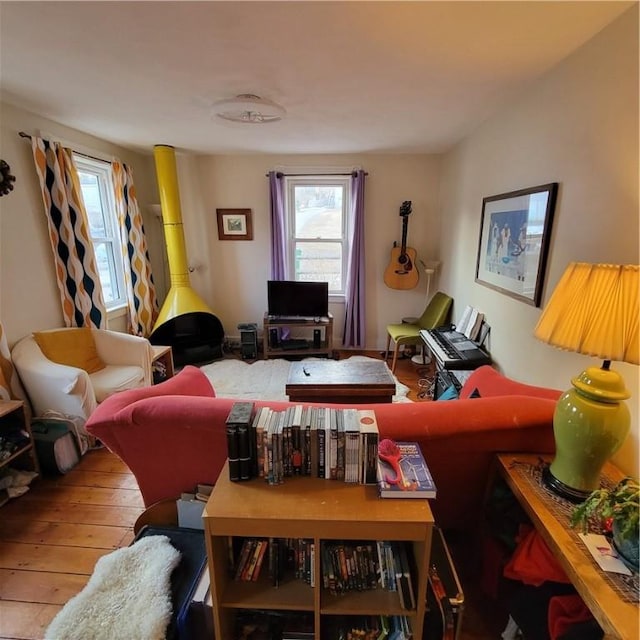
249, 108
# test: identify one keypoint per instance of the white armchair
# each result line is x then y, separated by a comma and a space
72, 391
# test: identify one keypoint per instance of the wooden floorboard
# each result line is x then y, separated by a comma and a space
51, 537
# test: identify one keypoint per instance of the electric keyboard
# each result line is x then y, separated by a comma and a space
453, 350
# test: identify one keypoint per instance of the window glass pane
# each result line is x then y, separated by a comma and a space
93, 204
319, 262
318, 211
106, 271
97, 192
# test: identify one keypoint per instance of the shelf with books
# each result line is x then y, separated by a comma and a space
325, 513
369, 627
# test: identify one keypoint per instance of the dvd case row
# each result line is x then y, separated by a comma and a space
321, 442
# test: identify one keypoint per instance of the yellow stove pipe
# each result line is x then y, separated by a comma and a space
181, 298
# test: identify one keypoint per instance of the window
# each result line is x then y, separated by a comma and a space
317, 222
97, 191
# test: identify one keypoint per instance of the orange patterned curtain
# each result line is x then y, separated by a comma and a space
75, 261
141, 291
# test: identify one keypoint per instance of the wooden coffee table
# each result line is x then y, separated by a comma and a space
340, 381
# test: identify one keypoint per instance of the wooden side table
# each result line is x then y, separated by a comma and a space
162, 356
615, 613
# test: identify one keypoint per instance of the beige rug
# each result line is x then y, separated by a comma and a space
265, 379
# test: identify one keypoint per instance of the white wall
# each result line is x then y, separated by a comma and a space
29, 299
232, 275
578, 126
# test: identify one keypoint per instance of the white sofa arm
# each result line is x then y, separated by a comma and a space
52, 386
117, 348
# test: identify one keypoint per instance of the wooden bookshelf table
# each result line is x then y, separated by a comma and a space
162, 363
340, 381
606, 595
319, 510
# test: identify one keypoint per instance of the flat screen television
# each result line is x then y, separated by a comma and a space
291, 298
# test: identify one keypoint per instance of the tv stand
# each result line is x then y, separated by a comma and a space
311, 348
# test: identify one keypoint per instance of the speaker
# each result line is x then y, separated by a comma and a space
249, 344
316, 338
273, 338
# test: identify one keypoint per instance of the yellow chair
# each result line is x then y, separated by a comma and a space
435, 315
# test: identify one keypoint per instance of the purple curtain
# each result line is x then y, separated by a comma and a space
354, 321
278, 235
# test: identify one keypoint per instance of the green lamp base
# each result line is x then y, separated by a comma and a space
561, 489
590, 423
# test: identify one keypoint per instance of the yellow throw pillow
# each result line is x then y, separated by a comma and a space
73, 347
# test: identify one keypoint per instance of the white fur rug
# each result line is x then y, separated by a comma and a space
264, 379
128, 596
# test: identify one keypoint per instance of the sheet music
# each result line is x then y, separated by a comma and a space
474, 332
473, 316
463, 323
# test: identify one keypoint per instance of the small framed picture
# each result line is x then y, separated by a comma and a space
234, 224
515, 229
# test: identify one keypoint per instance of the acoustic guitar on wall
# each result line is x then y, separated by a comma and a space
401, 272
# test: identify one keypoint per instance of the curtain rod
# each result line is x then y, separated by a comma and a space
279, 174
22, 134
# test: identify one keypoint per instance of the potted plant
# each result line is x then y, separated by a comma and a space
617, 511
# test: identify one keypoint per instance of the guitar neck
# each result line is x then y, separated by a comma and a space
405, 224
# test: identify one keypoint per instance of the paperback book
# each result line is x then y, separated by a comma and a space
402, 472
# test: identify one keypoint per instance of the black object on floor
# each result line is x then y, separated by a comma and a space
190, 543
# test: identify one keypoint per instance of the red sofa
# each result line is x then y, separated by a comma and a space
172, 435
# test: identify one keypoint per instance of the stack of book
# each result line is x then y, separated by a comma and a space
279, 557
362, 566
372, 627
321, 442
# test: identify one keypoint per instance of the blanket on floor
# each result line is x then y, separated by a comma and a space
128, 596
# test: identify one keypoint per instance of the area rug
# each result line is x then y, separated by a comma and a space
266, 379
128, 596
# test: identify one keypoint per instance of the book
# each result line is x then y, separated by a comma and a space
415, 479
368, 453
238, 424
232, 452
261, 424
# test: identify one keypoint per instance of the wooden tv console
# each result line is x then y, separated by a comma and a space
324, 325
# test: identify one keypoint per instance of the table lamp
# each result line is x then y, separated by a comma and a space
594, 311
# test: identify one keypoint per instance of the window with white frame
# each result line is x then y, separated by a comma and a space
317, 222
96, 183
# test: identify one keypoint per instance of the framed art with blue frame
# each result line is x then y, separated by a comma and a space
515, 229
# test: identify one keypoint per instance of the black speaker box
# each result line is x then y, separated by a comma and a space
316, 338
273, 338
248, 345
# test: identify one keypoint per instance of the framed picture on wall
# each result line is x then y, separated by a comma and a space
514, 241
234, 224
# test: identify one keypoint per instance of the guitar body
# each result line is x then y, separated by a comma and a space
401, 272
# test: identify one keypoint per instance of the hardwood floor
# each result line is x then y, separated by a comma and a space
51, 538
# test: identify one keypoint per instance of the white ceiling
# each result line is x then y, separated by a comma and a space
354, 77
